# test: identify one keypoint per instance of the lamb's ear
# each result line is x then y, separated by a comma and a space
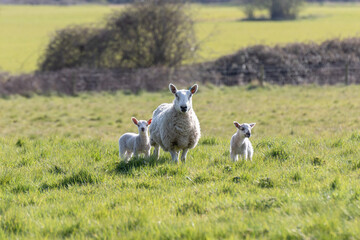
194, 89
149, 122
172, 88
252, 125
135, 121
237, 125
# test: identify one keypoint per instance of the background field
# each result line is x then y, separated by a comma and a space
25, 30
60, 175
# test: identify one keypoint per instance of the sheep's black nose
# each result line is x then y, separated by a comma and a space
183, 109
142, 129
247, 135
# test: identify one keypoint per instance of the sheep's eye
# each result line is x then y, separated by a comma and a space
176, 96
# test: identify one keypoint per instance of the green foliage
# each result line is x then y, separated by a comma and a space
67, 181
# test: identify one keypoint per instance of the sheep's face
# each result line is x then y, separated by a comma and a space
244, 129
183, 98
142, 124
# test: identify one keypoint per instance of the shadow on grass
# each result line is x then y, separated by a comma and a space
136, 163
83, 177
267, 19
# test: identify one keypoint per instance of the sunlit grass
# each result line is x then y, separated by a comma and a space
60, 176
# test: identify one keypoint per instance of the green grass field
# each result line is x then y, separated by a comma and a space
60, 175
27, 29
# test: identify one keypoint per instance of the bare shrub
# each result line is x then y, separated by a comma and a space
152, 33
145, 34
72, 47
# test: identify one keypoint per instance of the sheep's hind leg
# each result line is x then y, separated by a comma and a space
175, 156
183, 155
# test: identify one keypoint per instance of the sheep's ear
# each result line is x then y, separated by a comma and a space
172, 88
135, 121
237, 125
194, 89
252, 125
149, 122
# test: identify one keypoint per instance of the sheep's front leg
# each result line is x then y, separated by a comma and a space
183, 155
175, 156
147, 153
156, 152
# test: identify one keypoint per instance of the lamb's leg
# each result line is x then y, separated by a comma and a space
183, 155
250, 153
156, 152
123, 154
129, 155
234, 156
135, 152
126, 156
121, 150
175, 156
245, 155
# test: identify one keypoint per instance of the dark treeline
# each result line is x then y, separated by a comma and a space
69, 2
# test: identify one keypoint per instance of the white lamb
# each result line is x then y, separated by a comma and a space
175, 126
240, 143
132, 143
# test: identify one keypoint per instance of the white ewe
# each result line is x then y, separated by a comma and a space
175, 126
132, 143
240, 143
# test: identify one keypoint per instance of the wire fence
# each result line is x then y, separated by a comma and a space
72, 81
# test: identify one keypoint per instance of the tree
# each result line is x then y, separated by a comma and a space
145, 34
151, 33
278, 9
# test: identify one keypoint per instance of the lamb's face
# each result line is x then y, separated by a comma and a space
142, 124
183, 98
244, 129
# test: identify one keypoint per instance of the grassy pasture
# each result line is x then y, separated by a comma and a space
60, 176
26, 29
